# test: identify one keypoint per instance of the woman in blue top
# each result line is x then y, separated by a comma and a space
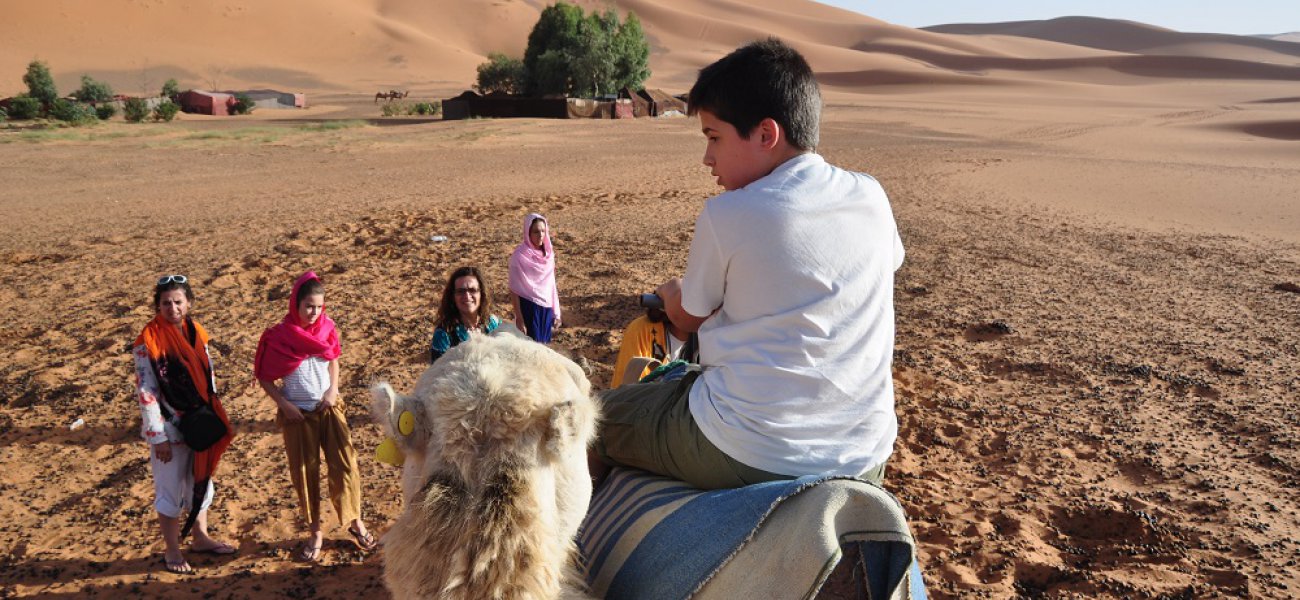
465, 310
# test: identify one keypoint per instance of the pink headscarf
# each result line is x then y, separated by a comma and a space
532, 271
286, 344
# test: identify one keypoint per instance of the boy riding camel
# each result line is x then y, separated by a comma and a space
789, 282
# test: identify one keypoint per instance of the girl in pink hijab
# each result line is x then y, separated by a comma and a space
302, 352
532, 281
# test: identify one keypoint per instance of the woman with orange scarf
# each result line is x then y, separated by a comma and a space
174, 380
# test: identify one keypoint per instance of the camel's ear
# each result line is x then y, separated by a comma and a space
563, 428
383, 404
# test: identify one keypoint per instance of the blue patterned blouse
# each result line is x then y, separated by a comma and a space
442, 341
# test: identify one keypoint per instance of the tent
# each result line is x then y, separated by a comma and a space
275, 99
206, 103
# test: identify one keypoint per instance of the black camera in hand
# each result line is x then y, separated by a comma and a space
651, 300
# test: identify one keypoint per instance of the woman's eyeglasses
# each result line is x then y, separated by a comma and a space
467, 291
166, 279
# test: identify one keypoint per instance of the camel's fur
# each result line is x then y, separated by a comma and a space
495, 480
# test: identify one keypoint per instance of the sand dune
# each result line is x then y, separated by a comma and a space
364, 45
1137, 38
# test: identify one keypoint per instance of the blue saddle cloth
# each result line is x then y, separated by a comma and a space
647, 536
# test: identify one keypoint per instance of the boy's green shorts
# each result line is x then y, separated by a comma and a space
649, 426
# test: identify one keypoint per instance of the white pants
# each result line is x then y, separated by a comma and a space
173, 483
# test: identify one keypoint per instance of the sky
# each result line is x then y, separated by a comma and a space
1243, 17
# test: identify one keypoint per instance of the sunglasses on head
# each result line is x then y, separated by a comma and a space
166, 279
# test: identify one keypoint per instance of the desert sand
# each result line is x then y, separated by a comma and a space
1098, 319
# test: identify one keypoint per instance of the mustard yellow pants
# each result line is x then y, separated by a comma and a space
323, 431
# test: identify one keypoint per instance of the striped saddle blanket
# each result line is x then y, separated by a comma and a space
647, 536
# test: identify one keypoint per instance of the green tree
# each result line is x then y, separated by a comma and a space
24, 107
105, 111
40, 84
556, 31
74, 113
631, 54
592, 61
165, 111
135, 110
171, 89
243, 105
93, 91
500, 74
572, 52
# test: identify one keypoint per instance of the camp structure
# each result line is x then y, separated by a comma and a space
663, 104
274, 99
206, 103
503, 106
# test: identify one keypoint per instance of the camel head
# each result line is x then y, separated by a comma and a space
495, 436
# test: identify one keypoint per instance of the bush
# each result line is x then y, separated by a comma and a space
24, 107
165, 111
3, 115
74, 113
243, 105
105, 111
570, 51
500, 74
93, 91
393, 109
136, 110
40, 85
428, 108
171, 89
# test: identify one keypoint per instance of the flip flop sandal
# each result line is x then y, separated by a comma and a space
219, 550
365, 542
308, 552
179, 568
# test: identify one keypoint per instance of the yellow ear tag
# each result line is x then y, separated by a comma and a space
406, 423
388, 453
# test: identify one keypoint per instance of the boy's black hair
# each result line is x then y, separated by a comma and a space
761, 80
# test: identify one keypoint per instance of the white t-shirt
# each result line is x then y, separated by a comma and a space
306, 385
797, 361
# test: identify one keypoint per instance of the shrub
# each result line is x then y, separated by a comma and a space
136, 110
500, 74
171, 89
3, 115
393, 109
243, 105
428, 108
74, 113
24, 107
93, 91
165, 111
570, 51
105, 111
40, 84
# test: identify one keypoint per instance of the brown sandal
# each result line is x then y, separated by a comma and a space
365, 542
308, 552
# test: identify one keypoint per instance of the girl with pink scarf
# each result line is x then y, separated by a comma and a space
532, 281
302, 352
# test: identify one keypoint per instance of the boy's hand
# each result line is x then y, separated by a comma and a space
671, 292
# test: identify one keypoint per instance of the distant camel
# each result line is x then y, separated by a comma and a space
391, 95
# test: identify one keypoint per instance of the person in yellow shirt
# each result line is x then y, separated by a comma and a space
652, 335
